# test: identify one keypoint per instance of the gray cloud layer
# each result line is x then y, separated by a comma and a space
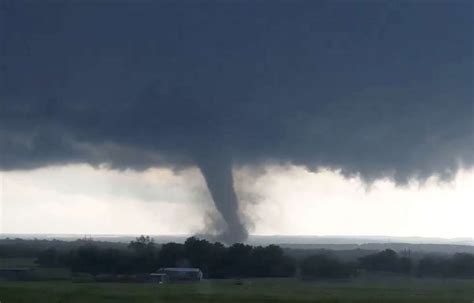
378, 89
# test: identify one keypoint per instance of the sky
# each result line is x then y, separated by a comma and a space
281, 200
267, 117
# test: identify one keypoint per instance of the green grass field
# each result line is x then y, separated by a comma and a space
271, 290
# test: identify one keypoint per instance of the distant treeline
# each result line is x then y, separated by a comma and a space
143, 255
237, 261
30, 248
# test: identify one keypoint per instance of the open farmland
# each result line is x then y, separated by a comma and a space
263, 290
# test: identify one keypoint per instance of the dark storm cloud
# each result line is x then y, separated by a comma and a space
373, 88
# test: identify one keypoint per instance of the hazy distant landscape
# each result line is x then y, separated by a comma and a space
301, 242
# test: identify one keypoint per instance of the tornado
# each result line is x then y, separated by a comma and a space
216, 169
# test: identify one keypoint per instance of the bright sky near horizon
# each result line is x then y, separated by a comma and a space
284, 200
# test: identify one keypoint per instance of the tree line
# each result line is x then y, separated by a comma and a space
143, 255
459, 265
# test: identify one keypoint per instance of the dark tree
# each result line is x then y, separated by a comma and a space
172, 254
237, 260
145, 254
432, 266
48, 258
386, 261
462, 265
270, 261
206, 256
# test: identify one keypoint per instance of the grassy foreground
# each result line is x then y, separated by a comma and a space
271, 290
